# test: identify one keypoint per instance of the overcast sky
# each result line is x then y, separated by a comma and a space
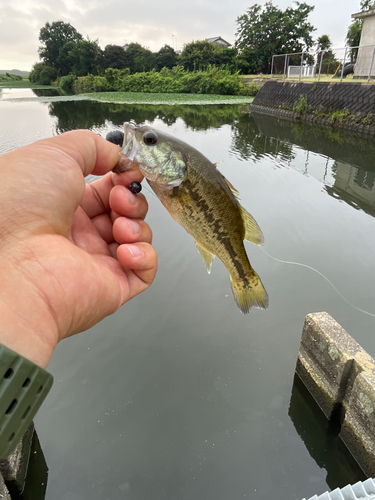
150, 23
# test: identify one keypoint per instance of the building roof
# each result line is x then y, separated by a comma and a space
364, 14
218, 39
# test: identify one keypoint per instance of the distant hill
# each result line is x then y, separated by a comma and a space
14, 72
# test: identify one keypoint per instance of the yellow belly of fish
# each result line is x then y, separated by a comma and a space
220, 233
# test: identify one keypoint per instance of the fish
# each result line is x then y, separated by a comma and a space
202, 201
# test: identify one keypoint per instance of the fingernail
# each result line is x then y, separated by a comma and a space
134, 226
131, 197
135, 251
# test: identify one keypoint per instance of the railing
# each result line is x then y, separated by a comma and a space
336, 62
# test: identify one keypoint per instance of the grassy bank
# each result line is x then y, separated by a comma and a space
22, 84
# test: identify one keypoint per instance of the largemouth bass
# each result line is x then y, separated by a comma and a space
199, 198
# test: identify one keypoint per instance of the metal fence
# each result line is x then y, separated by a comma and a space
333, 63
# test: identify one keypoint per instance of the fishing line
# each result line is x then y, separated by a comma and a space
324, 277
305, 266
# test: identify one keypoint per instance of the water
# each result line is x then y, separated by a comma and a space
178, 395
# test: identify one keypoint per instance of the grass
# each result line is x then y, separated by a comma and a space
323, 78
22, 84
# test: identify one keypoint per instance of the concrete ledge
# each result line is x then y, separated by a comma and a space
340, 376
23, 475
14, 468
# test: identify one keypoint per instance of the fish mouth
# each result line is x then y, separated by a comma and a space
130, 145
129, 148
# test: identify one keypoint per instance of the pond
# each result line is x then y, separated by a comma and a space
179, 395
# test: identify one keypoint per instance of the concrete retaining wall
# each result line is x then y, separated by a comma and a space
279, 97
340, 375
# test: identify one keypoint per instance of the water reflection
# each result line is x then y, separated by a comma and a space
343, 162
89, 114
345, 167
321, 440
355, 186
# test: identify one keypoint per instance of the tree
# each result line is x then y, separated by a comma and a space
322, 44
166, 58
269, 31
225, 57
36, 71
198, 55
114, 57
47, 75
139, 59
53, 37
86, 57
64, 61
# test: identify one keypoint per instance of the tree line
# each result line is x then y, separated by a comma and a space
262, 32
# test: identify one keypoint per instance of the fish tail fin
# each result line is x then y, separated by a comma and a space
249, 292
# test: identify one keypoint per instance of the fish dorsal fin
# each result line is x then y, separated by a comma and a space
252, 230
233, 189
207, 256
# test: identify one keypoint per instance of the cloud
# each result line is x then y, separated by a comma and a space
149, 23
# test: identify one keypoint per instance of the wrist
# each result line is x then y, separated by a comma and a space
21, 336
26, 324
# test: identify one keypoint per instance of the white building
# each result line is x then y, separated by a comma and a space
366, 44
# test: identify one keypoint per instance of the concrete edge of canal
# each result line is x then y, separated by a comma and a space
342, 105
340, 376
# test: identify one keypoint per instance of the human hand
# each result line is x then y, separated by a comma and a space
70, 253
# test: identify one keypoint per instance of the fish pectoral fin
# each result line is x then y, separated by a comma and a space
207, 256
253, 232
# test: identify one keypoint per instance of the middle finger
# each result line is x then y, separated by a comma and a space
126, 204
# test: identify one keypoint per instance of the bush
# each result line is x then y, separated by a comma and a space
175, 80
114, 76
47, 75
66, 83
90, 83
13, 77
301, 105
35, 72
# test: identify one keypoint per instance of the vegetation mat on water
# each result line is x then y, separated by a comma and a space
171, 99
140, 98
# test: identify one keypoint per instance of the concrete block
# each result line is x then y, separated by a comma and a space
14, 467
358, 428
325, 360
4, 493
340, 376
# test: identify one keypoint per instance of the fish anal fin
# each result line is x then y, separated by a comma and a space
207, 256
253, 232
233, 189
249, 293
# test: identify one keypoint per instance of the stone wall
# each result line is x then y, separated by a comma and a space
279, 97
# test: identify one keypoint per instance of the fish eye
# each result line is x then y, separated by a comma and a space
150, 138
